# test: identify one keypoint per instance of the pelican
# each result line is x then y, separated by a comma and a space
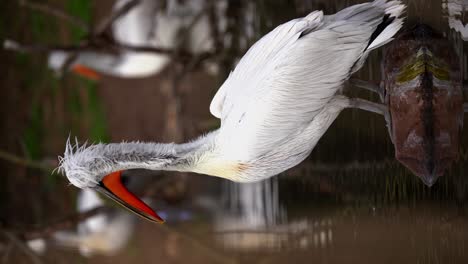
148, 25
274, 107
105, 233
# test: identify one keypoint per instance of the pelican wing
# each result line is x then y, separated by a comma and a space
137, 26
288, 76
258, 61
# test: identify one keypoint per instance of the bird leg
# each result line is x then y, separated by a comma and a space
377, 108
370, 86
368, 106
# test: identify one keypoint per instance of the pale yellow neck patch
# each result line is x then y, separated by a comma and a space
227, 169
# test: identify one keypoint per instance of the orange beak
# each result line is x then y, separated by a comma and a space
112, 186
85, 72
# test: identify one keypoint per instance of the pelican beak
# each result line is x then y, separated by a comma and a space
112, 186
86, 72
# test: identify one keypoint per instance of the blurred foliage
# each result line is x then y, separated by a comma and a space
98, 129
44, 92
82, 10
32, 137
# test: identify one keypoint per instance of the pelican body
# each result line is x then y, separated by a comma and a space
105, 233
274, 107
423, 86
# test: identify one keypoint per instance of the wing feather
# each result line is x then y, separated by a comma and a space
288, 77
263, 53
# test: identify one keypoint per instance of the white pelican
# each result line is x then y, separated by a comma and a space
105, 233
274, 107
147, 24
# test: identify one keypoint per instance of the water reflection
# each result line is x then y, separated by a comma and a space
250, 217
251, 207
422, 90
296, 234
423, 87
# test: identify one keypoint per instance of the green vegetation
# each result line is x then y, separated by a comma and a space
82, 10
77, 97
98, 130
33, 135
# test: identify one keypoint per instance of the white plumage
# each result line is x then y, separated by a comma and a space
145, 25
274, 107
104, 233
455, 10
285, 80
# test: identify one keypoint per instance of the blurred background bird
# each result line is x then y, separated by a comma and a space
104, 233
150, 24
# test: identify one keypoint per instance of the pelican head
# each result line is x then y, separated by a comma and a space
88, 167
57, 60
